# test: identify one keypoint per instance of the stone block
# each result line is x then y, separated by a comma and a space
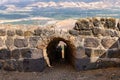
114, 33
99, 53
118, 25
91, 42
74, 32
82, 25
19, 32
9, 42
113, 54
36, 53
26, 53
31, 53
20, 65
33, 41
1, 42
5, 54
88, 52
10, 65
110, 23
21, 43
15, 54
37, 32
106, 64
84, 64
96, 22
28, 33
108, 32
96, 31
34, 65
2, 32
80, 53
85, 32
105, 32
109, 43
10, 33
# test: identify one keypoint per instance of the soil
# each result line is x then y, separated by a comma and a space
63, 72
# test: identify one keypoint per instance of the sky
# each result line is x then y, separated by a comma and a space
28, 5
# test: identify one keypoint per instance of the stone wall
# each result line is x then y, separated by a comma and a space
94, 42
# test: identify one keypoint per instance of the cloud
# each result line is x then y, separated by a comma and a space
12, 8
91, 5
83, 4
8, 1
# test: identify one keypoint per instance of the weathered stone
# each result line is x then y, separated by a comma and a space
10, 33
20, 65
107, 63
96, 31
38, 32
82, 25
91, 42
19, 32
21, 43
109, 33
105, 32
28, 33
10, 65
34, 65
118, 25
78, 42
96, 22
36, 53
99, 53
113, 54
2, 32
114, 33
84, 64
31, 53
1, 42
5, 54
26, 53
110, 23
80, 53
47, 32
33, 41
109, 43
9, 42
88, 52
15, 54
74, 32
86, 33
102, 20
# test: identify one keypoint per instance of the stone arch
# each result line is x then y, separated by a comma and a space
69, 50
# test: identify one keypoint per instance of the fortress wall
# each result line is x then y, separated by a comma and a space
95, 42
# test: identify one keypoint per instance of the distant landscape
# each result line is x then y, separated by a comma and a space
41, 12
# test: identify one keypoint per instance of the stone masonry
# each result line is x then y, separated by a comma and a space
95, 43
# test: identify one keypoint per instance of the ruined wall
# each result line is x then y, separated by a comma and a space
100, 40
95, 42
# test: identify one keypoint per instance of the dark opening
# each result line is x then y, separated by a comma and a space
55, 55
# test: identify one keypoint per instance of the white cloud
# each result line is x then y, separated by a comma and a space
117, 4
8, 1
91, 5
12, 8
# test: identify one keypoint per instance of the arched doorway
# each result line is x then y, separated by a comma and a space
54, 53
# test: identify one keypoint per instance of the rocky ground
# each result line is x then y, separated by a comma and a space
63, 72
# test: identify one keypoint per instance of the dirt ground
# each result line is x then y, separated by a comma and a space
63, 72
